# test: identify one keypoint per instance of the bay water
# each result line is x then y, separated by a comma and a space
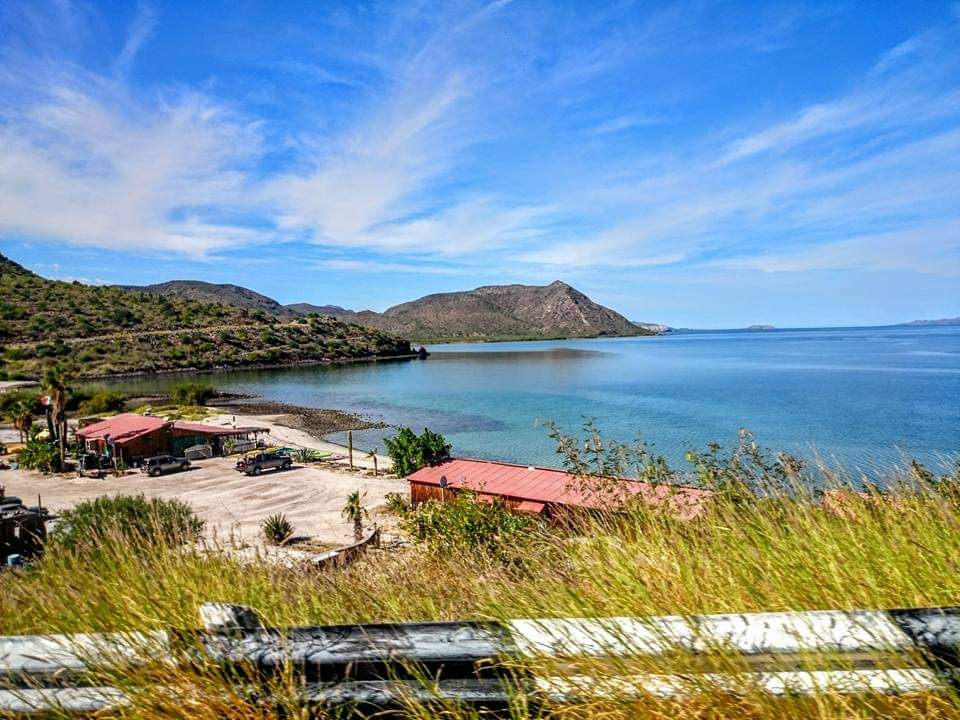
866, 398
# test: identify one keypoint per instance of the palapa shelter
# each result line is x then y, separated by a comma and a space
547, 491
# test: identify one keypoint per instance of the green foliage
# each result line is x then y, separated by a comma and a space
132, 519
397, 503
354, 512
741, 471
192, 393
277, 529
99, 331
103, 401
38, 454
462, 524
410, 451
9, 401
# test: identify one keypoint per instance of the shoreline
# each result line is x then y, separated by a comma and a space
254, 366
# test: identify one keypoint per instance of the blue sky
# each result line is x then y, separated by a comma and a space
700, 164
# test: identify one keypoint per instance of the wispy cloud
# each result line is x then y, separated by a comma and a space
77, 168
534, 140
140, 30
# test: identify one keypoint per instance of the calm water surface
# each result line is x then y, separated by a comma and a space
864, 396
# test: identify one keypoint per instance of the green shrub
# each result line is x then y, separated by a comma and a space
465, 525
277, 529
103, 401
397, 503
410, 451
192, 393
38, 455
132, 519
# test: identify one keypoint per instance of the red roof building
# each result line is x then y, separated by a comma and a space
131, 437
127, 436
546, 490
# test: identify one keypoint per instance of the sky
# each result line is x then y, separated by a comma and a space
701, 164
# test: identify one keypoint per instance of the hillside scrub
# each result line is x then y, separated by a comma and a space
97, 331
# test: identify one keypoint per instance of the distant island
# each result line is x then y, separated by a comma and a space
941, 321
761, 327
656, 328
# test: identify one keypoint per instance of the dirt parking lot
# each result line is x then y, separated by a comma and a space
232, 504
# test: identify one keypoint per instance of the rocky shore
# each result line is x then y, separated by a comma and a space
315, 421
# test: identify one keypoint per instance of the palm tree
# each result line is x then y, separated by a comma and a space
21, 417
55, 385
354, 512
373, 456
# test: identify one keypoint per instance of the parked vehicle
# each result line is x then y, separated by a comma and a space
161, 464
255, 463
92, 465
198, 452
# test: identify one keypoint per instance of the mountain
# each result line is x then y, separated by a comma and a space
655, 328
10, 268
99, 331
307, 309
213, 293
941, 321
501, 312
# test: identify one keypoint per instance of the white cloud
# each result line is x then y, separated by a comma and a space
933, 249
77, 168
140, 30
368, 174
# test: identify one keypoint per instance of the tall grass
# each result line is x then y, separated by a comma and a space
781, 553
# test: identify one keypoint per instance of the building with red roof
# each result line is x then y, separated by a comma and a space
127, 436
546, 491
131, 437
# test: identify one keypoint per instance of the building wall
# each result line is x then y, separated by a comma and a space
421, 492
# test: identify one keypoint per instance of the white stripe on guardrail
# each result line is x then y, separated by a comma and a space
752, 634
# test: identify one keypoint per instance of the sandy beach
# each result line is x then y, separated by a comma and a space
232, 504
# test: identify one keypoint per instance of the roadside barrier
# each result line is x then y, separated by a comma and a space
483, 663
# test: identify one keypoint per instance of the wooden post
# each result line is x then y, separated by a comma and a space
350, 446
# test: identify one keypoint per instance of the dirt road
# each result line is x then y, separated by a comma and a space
231, 503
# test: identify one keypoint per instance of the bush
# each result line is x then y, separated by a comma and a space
397, 503
410, 451
277, 529
467, 525
38, 455
132, 519
192, 393
104, 401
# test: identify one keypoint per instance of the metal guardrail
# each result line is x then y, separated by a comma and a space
482, 663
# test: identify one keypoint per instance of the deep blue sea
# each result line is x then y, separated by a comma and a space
863, 397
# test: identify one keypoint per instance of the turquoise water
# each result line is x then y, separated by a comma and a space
867, 397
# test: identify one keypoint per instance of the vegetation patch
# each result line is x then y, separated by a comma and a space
133, 521
410, 452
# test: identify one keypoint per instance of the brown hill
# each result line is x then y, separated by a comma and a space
501, 311
101, 330
216, 293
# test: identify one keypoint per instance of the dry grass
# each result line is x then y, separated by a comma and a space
778, 554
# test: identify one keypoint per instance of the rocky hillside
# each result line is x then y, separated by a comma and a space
98, 331
217, 293
501, 311
308, 308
